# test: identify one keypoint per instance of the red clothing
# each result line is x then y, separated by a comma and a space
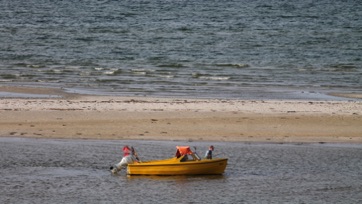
126, 151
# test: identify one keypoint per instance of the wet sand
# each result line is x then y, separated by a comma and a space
138, 118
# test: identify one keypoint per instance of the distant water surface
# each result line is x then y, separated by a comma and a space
215, 49
77, 171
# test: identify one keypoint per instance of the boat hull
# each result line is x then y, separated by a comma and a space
176, 167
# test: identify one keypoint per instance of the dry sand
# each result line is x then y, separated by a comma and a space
107, 117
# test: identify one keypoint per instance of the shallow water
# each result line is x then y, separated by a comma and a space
215, 49
77, 171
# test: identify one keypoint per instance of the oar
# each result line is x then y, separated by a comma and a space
135, 154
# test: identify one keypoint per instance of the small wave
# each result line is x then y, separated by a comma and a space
109, 72
196, 75
102, 2
107, 81
141, 71
157, 58
343, 67
9, 76
208, 77
114, 71
5, 80
233, 65
55, 71
175, 65
215, 78
34, 66
73, 67
85, 73
165, 76
20, 64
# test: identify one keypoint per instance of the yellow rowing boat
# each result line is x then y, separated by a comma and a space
185, 163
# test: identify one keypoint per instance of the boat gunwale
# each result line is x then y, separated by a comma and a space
200, 162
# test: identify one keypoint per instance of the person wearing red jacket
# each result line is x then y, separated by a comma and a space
129, 157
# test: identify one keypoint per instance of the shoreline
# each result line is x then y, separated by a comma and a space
73, 116
14, 91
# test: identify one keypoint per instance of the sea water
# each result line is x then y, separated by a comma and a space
77, 171
184, 48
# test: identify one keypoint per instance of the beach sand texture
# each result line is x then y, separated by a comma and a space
107, 117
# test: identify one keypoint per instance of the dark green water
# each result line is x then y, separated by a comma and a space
215, 49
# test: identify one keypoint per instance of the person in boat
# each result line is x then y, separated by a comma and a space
129, 157
208, 154
178, 154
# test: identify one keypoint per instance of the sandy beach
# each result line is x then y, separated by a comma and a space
106, 117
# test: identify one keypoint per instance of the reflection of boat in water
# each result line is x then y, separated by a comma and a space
185, 163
